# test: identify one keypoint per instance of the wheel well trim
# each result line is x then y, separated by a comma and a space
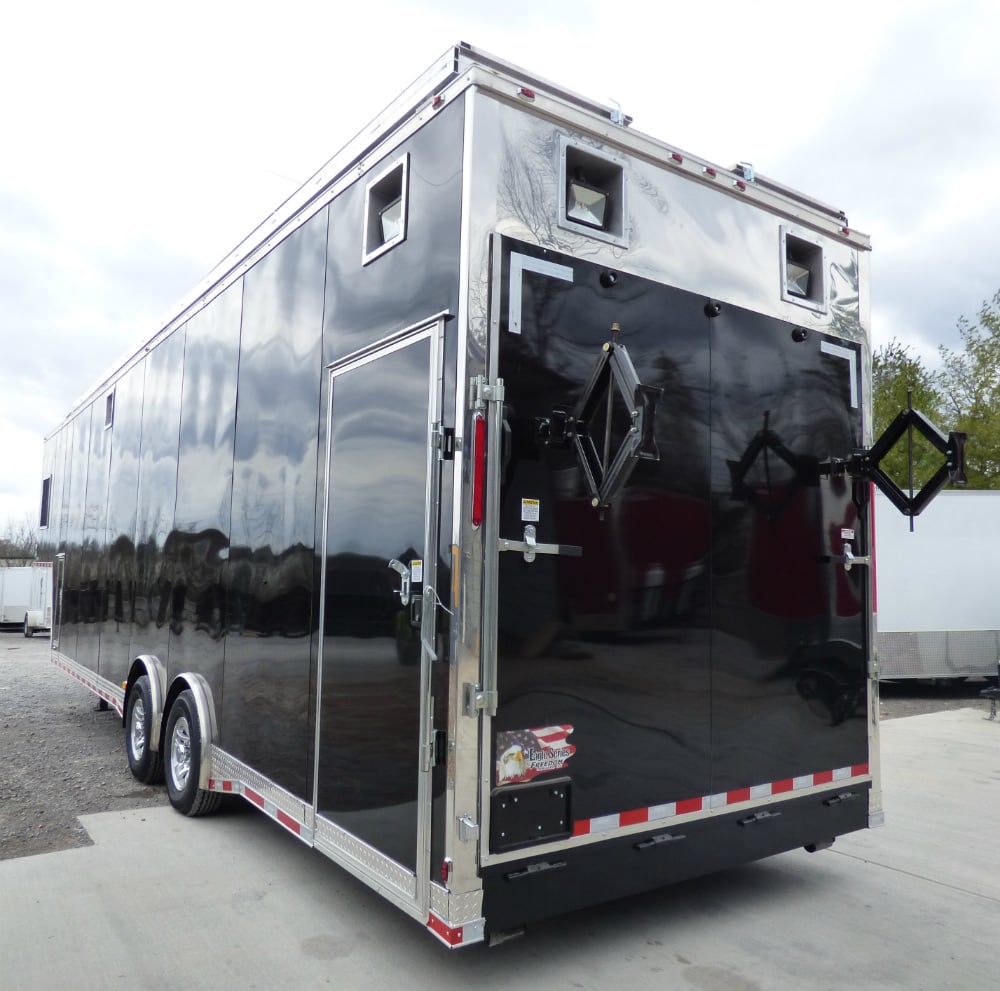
204, 703
150, 666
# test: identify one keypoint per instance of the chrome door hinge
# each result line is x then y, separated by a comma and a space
482, 392
476, 700
468, 829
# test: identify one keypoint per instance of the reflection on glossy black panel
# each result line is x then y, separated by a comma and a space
613, 644
157, 495
93, 572
418, 277
77, 462
197, 547
116, 628
371, 676
270, 607
706, 640
790, 681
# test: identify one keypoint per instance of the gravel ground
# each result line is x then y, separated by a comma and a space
62, 757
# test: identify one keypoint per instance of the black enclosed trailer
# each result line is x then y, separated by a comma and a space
496, 516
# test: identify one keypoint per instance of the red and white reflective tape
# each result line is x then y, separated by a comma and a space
708, 803
290, 823
101, 693
449, 935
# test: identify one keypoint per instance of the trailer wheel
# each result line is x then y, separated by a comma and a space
183, 762
29, 631
146, 764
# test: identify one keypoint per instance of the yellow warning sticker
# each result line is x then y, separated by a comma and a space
529, 510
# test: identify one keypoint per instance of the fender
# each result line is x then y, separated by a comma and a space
208, 725
150, 666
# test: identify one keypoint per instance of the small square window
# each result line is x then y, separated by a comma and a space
386, 209
802, 271
592, 193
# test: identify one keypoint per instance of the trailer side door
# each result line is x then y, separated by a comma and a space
374, 739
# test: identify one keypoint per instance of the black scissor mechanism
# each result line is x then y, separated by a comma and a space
613, 378
861, 464
867, 464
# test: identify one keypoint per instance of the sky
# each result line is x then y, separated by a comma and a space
140, 143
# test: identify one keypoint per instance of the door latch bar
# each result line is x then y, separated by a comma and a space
529, 547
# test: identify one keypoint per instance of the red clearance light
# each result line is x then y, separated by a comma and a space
438, 101
528, 94
709, 171
740, 184
677, 157
478, 469
445, 870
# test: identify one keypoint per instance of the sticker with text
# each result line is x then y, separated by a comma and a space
530, 510
523, 754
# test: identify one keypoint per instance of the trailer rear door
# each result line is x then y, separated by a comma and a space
675, 626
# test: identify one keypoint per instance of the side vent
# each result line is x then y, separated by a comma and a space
803, 276
386, 203
43, 515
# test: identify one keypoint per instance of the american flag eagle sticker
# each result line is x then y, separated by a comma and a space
524, 754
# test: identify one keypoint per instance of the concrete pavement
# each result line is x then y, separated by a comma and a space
232, 901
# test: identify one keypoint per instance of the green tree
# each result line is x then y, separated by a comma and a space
970, 387
898, 379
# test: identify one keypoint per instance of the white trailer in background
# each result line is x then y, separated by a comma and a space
38, 615
15, 590
26, 597
938, 588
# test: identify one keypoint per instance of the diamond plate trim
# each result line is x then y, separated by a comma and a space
456, 908
938, 653
226, 767
439, 902
331, 839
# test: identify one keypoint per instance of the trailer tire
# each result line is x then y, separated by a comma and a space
183, 760
29, 631
145, 764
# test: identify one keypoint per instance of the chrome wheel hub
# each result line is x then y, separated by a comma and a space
137, 729
180, 754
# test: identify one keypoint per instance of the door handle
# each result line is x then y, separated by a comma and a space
404, 573
529, 547
850, 559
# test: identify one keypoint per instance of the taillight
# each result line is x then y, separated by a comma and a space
478, 469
